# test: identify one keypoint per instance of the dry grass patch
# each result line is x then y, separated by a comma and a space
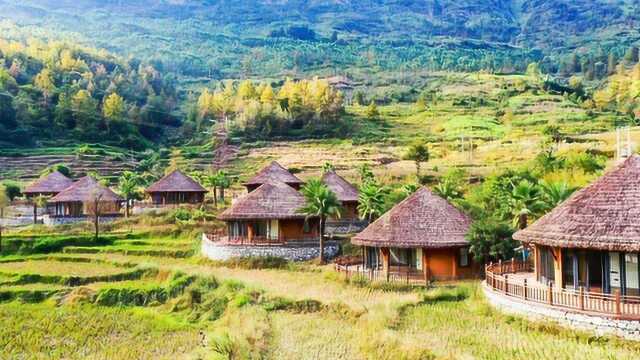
88, 332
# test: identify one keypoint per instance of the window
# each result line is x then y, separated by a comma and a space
402, 257
463, 257
306, 228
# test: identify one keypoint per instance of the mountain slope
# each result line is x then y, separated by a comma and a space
224, 38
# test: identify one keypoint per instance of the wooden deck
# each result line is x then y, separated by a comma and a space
516, 279
396, 274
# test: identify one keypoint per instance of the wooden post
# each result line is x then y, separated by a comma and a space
506, 283
524, 289
487, 271
500, 266
385, 261
425, 267
618, 305
550, 293
513, 265
347, 274
454, 266
581, 298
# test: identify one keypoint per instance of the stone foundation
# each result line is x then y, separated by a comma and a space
291, 252
52, 221
628, 329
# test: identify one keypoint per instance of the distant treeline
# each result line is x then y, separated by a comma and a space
55, 91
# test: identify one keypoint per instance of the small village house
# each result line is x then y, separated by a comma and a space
274, 172
269, 214
346, 193
48, 186
421, 238
176, 188
79, 200
592, 240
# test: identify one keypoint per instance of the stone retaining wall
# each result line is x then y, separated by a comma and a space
51, 221
628, 329
302, 252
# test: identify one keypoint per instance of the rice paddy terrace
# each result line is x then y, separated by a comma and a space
99, 300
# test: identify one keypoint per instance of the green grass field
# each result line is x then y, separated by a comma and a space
196, 309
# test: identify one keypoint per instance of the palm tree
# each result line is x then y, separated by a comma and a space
448, 190
211, 180
128, 187
222, 182
321, 203
371, 201
526, 200
419, 153
39, 201
328, 167
409, 189
366, 175
555, 193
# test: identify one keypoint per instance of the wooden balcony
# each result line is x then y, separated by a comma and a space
515, 279
223, 238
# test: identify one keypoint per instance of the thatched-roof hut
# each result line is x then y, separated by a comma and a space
346, 193
176, 188
274, 172
49, 185
271, 213
80, 199
423, 235
593, 238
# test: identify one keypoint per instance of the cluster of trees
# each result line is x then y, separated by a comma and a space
596, 65
52, 91
622, 92
297, 108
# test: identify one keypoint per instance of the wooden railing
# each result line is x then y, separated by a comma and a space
397, 274
501, 278
223, 238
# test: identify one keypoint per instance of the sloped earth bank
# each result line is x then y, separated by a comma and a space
192, 308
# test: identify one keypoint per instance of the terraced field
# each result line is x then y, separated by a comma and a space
188, 307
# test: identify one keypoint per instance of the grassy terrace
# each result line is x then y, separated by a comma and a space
62, 268
187, 307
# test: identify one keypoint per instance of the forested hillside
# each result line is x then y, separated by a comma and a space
259, 38
56, 92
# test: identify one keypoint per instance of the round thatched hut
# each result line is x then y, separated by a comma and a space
592, 240
269, 214
274, 172
423, 236
176, 188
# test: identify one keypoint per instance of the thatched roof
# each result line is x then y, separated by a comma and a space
176, 181
50, 184
604, 215
85, 190
343, 189
423, 220
274, 200
274, 172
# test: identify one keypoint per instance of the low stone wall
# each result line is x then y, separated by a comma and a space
291, 252
52, 221
628, 329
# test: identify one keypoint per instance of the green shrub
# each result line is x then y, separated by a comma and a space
254, 262
131, 296
11, 189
